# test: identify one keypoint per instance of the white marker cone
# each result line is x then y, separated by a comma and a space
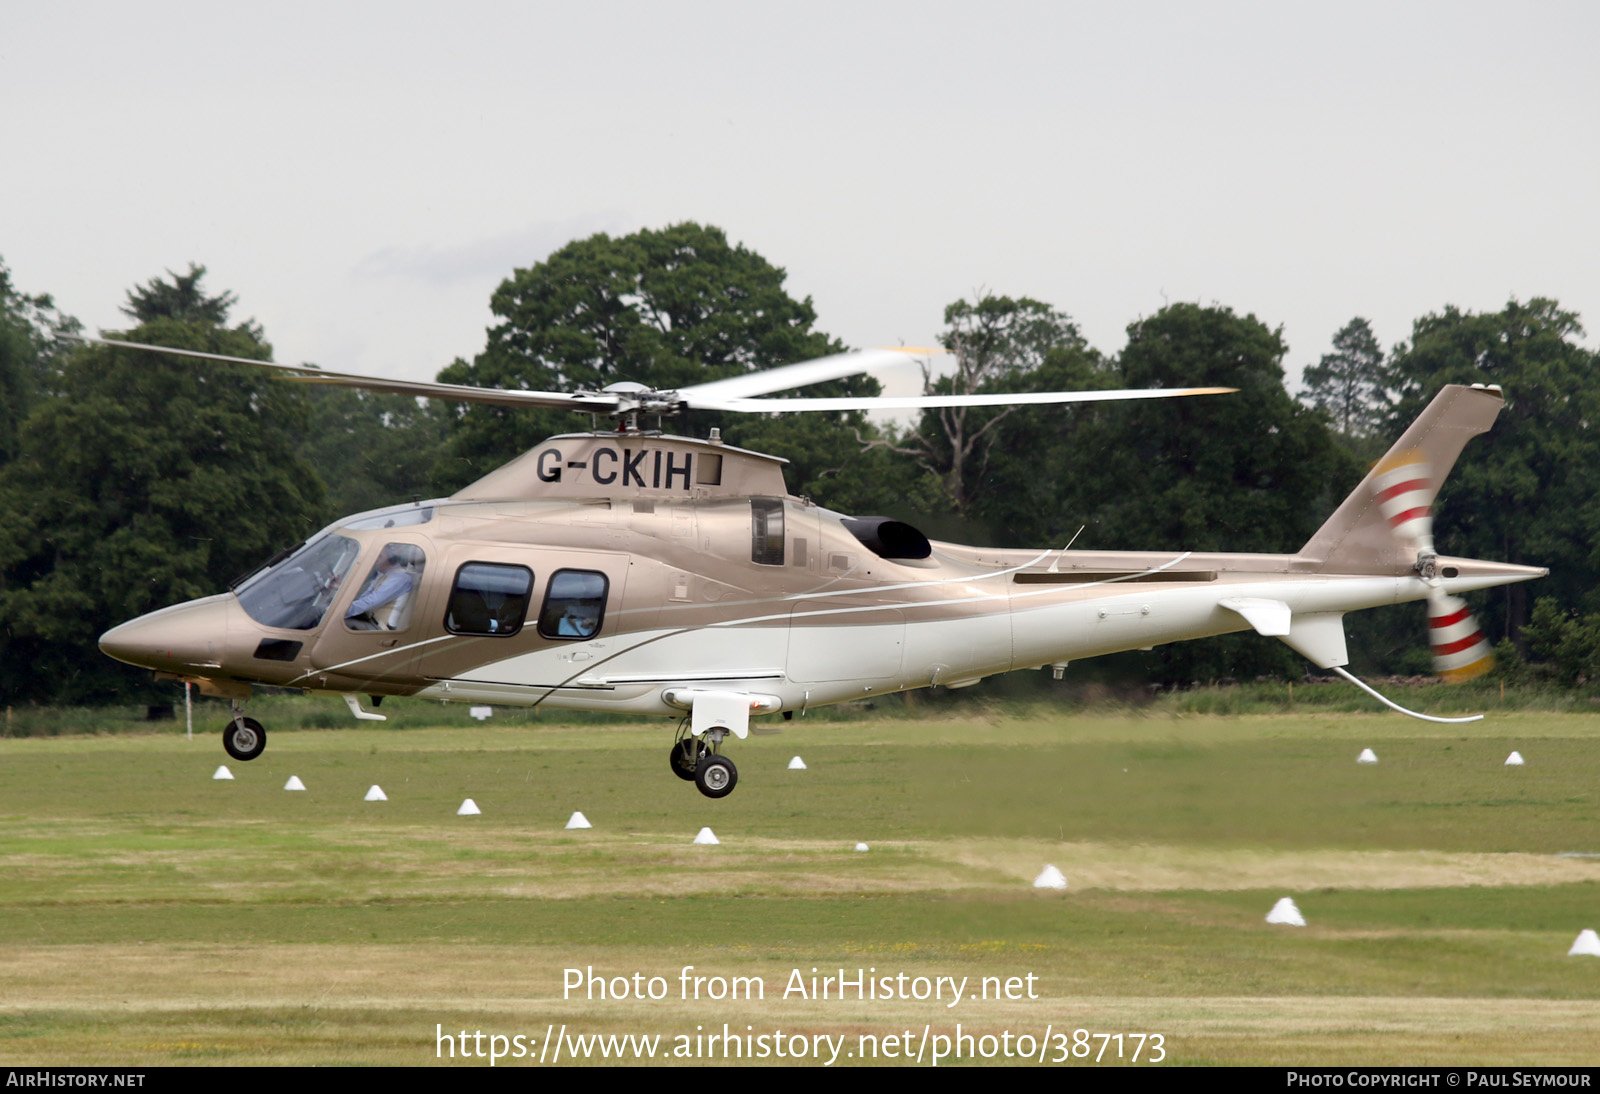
1367, 757
797, 764
1514, 760
469, 808
861, 847
376, 794
578, 820
708, 837
294, 783
1050, 878
223, 773
1587, 945
1286, 913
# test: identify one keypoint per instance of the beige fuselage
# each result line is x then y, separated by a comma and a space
649, 567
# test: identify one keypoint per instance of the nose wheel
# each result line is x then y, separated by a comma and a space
244, 738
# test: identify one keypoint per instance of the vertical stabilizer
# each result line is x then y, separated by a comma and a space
1387, 519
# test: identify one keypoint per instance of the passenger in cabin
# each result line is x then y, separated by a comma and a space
579, 621
574, 604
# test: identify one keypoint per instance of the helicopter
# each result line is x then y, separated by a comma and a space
633, 571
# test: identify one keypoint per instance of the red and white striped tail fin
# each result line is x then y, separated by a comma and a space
1460, 650
1385, 526
1404, 488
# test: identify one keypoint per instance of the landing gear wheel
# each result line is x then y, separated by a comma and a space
716, 776
244, 739
686, 756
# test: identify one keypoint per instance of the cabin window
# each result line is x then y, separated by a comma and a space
766, 531
295, 593
385, 599
489, 598
574, 604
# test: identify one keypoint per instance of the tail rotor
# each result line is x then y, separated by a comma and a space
1404, 488
1460, 650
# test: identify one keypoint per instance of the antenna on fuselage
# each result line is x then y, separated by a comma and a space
1055, 566
1396, 706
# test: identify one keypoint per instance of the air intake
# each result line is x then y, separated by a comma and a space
888, 538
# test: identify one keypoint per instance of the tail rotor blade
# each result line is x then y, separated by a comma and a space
1460, 650
1405, 490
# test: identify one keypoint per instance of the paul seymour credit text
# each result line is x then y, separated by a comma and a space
1045, 1042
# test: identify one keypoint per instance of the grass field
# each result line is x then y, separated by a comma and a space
153, 915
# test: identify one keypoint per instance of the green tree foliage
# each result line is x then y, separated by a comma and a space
180, 298
1525, 491
145, 482
1567, 642
666, 308
372, 449
33, 336
1250, 471
833, 458
1350, 383
998, 344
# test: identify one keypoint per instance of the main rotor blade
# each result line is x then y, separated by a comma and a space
730, 394
800, 374
925, 402
461, 393
464, 393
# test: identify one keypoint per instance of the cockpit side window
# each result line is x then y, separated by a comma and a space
574, 604
386, 597
489, 598
295, 594
766, 531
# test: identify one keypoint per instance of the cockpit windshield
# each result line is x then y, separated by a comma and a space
295, 593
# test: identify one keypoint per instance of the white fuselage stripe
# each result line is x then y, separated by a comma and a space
375, 656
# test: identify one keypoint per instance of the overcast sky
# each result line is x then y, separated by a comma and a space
364, 175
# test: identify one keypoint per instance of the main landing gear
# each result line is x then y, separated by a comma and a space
243, 738
699, 760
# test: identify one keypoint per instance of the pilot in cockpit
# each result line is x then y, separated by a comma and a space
390, 580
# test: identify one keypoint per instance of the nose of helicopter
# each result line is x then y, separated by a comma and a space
184, 636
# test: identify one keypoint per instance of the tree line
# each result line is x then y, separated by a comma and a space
130, 482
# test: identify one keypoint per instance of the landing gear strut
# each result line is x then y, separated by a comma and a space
243, 738
686, 754
699, 760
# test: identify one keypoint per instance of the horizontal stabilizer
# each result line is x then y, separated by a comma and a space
1318, 636
1268, 617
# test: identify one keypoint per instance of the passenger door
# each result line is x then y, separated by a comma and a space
381, 642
